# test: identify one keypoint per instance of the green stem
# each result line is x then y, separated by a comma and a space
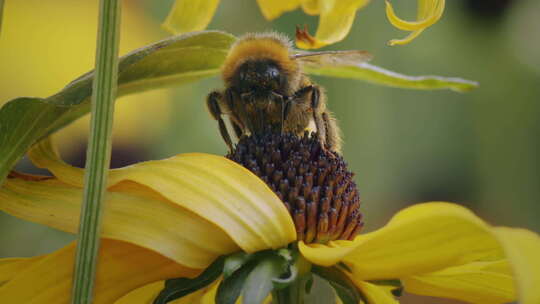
296, 292
292, 294
99, 150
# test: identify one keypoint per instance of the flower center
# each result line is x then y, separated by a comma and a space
313, 183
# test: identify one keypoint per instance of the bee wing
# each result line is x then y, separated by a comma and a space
332, 58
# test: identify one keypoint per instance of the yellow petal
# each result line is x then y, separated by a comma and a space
10, 267
476, 282
272, 9
121, 268
221, 191
311, 7
523, 250
147, 294
45, 155
328, 254
189, 16
429, 12
335, 21
133, 214
419, 239
212, 187
407, 39
375, 294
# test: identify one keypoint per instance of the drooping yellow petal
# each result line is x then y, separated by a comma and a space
335, 22
374, 293
121, 268
45, 155
422, 238
476, 282
272, 9
212, 187
189, 16
221, 191
429, 12
133, 214
10, 267
522, 248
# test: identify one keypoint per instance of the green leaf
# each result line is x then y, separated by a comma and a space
259, 283
177, 288
231, 287
174, 61
378, 75
344, 287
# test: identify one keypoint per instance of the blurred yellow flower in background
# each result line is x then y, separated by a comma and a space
335, 17
53, 42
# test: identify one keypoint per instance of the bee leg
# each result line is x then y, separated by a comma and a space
237, 129
212, 102
318, 117
333, 136
285, 109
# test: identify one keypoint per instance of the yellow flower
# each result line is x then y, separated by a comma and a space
174, 217
335, 17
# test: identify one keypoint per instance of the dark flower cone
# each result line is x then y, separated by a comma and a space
313, 183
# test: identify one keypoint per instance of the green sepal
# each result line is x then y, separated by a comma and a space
179, 287
342, 284
231, 287
291, 275
235, 261
309, 282
260, 281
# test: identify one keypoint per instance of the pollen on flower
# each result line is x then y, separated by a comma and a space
313, 183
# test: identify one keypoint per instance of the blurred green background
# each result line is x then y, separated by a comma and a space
480, 149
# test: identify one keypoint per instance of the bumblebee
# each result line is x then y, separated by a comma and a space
266, 88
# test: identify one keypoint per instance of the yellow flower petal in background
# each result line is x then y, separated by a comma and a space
429, 12
523, 250
422, 238
133, 214
122, 268
310, 7
189, 16
272, 9
213, 187
476, 282
335, 21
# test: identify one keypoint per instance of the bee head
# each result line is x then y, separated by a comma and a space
259, 74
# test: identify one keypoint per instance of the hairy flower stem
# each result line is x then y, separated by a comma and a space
99, 150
